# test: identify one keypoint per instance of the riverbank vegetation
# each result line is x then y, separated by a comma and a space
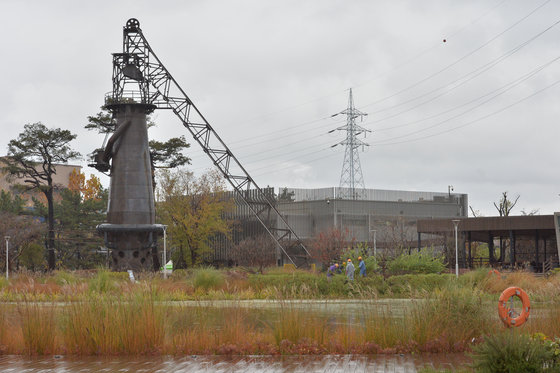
241, 284
104, 313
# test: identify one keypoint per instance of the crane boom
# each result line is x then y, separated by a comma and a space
138, 63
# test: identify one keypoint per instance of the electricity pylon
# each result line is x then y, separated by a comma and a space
351, 179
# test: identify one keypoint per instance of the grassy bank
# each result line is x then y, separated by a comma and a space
213, 284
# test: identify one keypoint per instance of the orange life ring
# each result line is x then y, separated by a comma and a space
508, 315
494, 272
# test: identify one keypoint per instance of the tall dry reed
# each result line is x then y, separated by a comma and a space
107, 325
38, 326
449, 320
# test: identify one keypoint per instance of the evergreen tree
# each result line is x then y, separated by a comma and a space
32, 158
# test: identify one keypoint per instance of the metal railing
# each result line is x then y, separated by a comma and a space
300, 194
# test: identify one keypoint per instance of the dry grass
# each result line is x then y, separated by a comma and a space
113, 316
113, 326
38, 328
139, 325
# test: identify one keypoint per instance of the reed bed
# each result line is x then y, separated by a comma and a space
103, 313
451, 321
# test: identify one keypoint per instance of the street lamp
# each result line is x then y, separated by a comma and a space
374, 242
7, 238
165, 251
456, 224
334, 210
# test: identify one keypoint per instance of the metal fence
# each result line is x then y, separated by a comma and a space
299, 194
391, 213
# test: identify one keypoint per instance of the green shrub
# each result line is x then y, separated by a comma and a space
119, 276
295, 283
424, 261
372, 282
4, 282
474, 278
179, 274
407, 284
207, 278
370, 261
512, 352
304, 284
104, 281
64, 278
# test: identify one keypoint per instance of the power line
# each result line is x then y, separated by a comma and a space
428, 136
475, 120
458, 60
423, 52
494, 92
467, 78
514, 83
460, 114
391, 70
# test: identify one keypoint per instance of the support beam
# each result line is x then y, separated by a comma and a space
544, 250
511, 248
536, 249
470, 249
491, 248
502, 251
464, 249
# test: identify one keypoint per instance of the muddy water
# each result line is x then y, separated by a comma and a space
346, 363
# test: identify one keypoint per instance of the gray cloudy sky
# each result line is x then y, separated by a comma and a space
478, 112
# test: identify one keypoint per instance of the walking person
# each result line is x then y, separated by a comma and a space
362, 266
350, 270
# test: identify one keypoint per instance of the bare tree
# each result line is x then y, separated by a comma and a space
398, 236
22, 230
505, 205
475, 213
529, 213
328, 245
256, 251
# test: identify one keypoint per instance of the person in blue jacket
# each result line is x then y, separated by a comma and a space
362, 267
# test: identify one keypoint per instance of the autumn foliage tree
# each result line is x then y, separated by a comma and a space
90, 189
328, 245
193, 209
80, 208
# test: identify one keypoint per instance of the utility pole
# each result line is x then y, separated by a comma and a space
351, 179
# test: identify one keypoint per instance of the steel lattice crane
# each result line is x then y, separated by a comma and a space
139, 65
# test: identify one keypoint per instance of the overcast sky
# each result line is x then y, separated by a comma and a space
478, 111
